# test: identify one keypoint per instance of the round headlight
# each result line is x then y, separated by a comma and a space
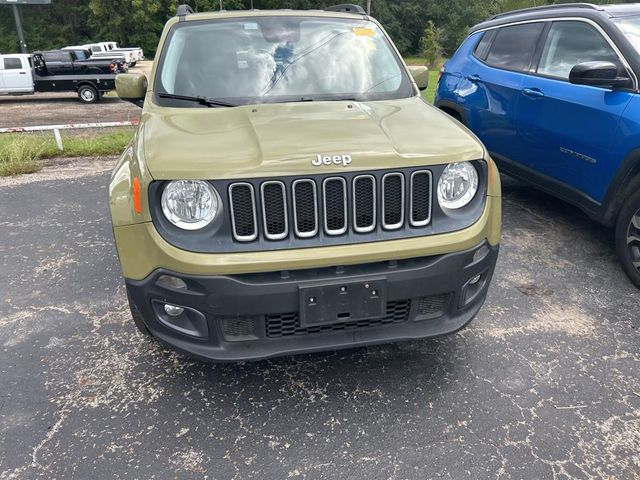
458, 185
190, 204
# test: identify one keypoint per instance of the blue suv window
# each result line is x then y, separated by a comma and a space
483, 46
570, 43
513, 47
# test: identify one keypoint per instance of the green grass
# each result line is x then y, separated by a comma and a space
430, 93
20, 152
414, 60
17, 155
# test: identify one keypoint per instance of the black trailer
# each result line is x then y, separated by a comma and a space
89, 87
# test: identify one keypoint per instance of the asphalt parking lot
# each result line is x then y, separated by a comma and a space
545, 383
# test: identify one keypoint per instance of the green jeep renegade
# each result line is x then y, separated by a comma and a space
289, 190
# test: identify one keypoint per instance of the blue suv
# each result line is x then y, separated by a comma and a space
553, 93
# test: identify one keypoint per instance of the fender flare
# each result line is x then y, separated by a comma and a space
84, 83
624, 183
448, 105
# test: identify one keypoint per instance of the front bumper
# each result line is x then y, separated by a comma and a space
256, 315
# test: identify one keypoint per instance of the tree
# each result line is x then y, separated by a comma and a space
131, 23
138, 23
430, 47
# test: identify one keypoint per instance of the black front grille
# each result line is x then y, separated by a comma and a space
288, 324
392, 200
335, 206
331, 206
243, 211
364, 203
275, 210
305, 208
420, 198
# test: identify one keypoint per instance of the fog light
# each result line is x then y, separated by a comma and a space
168, 281
473, 281
173, 310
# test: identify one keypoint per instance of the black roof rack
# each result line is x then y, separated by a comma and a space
347, 8
589, 6
183, 10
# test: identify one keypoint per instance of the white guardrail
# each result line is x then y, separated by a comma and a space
70, 126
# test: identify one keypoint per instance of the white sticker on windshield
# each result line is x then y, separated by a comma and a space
251, 26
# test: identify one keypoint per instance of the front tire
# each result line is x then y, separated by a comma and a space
628, 238
88, 94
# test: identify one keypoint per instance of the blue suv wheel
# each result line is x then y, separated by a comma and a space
628, 237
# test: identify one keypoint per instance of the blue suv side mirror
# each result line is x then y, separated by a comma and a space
599, 74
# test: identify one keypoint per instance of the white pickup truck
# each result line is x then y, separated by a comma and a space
18, 77
15, 74
101, 50
137, 52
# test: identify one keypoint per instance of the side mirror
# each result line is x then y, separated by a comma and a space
132, 87
420, 76
599, 74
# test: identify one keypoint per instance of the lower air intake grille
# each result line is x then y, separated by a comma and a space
432, 305
237, 328
288, 324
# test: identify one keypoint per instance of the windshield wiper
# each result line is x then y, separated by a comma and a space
209, 102
300, 100
310, 99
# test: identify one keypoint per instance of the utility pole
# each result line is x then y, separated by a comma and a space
18, 19
220, 5
368, 7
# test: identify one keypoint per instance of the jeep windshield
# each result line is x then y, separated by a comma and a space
275, 59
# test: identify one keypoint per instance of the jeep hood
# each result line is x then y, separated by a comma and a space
270, 140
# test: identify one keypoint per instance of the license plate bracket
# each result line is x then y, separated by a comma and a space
341, 302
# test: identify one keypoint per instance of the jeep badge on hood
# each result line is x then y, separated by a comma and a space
343, 160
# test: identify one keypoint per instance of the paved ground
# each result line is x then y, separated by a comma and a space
59, 108
544, 384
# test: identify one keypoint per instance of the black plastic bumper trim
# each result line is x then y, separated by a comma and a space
253, 296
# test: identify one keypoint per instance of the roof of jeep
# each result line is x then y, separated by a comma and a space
270, 13
587, 10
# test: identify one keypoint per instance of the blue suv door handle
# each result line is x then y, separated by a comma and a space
532, 92
474, 78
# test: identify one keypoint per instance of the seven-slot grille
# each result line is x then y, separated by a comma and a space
331, 206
